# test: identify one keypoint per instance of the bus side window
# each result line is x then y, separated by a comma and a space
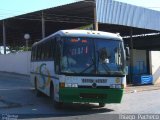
40, 52
45, 51
49, 50
52, 48
44, 54
37, 54
34, 54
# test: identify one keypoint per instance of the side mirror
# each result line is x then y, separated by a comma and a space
127, 53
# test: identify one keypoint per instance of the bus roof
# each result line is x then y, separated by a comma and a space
84, 33
88, 33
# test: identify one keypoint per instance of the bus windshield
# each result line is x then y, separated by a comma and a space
92, 56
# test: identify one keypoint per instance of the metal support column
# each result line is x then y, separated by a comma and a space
43, 25
95, 17
4, 37
131, 57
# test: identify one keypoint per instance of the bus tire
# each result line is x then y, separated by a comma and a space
101, 104
56, 104
37, 92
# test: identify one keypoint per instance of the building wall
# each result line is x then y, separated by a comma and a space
155, 65
139, 62
16, 62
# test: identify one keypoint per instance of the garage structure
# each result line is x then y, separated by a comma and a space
139, 26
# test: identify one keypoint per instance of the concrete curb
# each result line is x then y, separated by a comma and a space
14, 75
134, 89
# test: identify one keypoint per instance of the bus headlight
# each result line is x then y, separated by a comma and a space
68, 85
116, 86
112, 86
74, 85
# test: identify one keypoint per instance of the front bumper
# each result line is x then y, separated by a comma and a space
92, 95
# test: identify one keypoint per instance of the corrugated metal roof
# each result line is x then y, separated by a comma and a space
114, 12
68, 16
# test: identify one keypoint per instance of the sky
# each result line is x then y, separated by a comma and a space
9, 8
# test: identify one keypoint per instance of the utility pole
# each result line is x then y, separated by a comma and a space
95, 16
43, 25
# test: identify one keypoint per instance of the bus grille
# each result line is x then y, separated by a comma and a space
99, 87
96, 96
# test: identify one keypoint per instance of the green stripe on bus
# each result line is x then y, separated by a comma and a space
90, 95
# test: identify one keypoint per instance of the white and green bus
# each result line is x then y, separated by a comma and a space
80, 66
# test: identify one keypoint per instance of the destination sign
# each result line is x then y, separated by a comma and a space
94, 80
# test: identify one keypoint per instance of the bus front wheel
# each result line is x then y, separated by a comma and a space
101, 104
56, 104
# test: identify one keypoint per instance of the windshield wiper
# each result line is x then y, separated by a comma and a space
87, 68
105, 66
93, 63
